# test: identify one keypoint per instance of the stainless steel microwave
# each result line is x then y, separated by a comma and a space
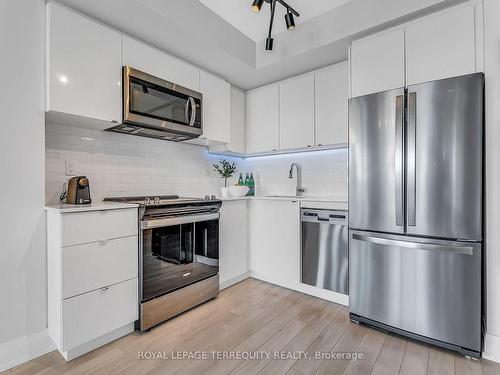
155, 108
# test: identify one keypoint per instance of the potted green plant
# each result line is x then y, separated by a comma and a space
225, 169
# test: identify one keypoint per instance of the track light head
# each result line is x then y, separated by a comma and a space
269, 44
257, 4
290, 22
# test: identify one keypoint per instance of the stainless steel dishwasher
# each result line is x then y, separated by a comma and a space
325, 255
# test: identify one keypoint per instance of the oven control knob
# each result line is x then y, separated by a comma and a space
156, 201
207, 197
213, 197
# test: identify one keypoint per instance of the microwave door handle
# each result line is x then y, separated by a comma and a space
186, 111
193, 111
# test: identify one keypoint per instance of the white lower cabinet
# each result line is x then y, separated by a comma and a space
92, 268
233, 244
275, 241
86, 267
97, 313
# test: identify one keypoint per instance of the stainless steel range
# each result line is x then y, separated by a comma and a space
178, 255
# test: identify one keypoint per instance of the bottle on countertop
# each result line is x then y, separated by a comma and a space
240, 180
247, 183
252, 185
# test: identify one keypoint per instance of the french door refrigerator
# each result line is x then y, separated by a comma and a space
415, 211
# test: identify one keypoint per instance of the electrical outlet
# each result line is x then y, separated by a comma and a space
70, 168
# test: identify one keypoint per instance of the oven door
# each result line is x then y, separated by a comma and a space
156, 103
178, 251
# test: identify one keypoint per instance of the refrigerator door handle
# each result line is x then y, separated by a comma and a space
398, 160
456, 248
411, 159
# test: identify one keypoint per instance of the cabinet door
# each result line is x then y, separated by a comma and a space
160, 64
378, 62
237, 122
84, 66
331, 103
297, 113
91, 315
216, 108
441, 45
262, 119
274, 241
233, 241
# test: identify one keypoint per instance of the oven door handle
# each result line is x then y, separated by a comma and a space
169, 221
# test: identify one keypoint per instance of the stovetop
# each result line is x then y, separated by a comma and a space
163, 200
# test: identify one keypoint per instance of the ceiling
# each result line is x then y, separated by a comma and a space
256, 25
226, 38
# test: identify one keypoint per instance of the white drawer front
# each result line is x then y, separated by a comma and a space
84, 227
98, 264
94, 314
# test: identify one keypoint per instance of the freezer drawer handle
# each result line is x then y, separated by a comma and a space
379, 240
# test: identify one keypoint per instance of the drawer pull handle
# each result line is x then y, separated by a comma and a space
104, 289
186, 274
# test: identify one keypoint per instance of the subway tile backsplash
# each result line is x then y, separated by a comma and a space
118, 164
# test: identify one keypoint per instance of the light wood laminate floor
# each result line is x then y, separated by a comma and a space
255, 316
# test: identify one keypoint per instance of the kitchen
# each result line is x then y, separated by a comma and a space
292, 267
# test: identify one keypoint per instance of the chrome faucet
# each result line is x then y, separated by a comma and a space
299, 189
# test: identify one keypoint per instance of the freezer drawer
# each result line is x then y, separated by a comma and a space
430, 288
325, 262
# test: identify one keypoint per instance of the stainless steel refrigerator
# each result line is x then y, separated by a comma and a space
416, 211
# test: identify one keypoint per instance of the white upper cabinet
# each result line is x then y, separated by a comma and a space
296, 108
331, 105
377, 62
262, 125
216, 108
238, 114
238, 118
83, 66
441, 45
160, 64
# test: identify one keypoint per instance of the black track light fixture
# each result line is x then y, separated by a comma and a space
257, 4
269, 44
290, 22
289, 17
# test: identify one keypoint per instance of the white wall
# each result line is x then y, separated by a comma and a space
124, 165
324, 173
492, 71
23, 308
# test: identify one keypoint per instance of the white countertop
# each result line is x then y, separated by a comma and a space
315, 202
96, 206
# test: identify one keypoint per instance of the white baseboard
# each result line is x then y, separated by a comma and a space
328, 295
234, 280
491, 347
25, 348
98, 342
